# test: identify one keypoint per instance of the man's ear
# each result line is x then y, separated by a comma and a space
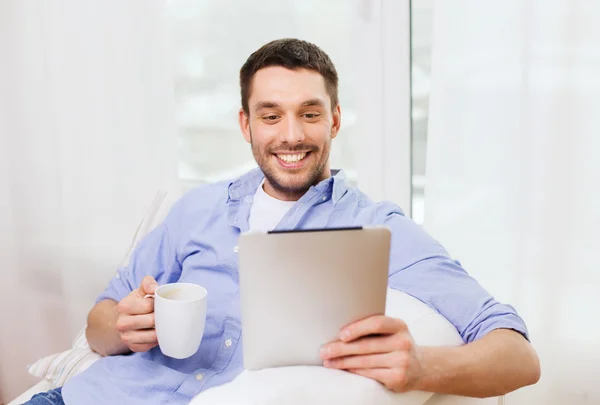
244, 122
336, 121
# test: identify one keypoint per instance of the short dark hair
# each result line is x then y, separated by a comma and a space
292, 54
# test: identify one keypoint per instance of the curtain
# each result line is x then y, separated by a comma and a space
513, 177
87, 136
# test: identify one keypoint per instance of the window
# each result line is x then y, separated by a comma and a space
212, 39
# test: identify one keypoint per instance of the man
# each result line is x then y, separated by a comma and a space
290, 114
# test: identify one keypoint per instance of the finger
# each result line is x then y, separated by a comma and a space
135, 305
142, 348
365, 345
370, 361
148, 286
373, 325
383, 375
135, 322
139, 337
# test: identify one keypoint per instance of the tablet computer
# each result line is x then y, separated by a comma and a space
299, 288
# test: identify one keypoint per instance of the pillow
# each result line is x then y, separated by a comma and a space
59, 367
305, 385
318, 385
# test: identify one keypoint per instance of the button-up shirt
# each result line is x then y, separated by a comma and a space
197, 243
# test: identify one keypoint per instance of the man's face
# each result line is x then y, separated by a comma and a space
290, 127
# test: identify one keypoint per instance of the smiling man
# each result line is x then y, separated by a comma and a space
290, 114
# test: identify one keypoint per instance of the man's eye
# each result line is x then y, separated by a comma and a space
271, 117
311, 116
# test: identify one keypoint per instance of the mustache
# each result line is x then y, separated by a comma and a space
293, 148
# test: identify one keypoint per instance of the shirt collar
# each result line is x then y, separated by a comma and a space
246, 185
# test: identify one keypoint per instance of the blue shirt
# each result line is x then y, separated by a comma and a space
197, 243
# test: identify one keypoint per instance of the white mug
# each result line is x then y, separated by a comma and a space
179, 318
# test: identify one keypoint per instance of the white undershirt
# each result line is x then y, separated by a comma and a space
267, 211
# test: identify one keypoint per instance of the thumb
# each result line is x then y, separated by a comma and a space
148, 286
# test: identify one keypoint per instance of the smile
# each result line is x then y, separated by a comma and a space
292, 161
292, 158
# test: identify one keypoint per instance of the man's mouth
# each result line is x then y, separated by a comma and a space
295, 160
292, 158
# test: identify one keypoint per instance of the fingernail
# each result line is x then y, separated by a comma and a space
153, 287
345, 335
325, 352
327, 363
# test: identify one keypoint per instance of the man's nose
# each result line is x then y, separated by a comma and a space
292, 133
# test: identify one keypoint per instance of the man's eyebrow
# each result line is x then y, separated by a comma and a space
313, 102
265, 104
272, 104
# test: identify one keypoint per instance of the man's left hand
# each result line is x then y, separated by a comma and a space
378, 347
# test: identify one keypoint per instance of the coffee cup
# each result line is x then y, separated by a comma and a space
179, 318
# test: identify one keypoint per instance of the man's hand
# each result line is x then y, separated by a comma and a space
135, 322
378, 347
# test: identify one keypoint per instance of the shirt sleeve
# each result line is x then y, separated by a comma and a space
421, 267
155, 255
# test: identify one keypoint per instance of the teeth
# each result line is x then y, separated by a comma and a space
292, 158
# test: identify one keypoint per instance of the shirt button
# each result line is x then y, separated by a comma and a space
199, 377
236, 249
324, 198
228, 342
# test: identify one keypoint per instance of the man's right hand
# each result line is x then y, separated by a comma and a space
135, 322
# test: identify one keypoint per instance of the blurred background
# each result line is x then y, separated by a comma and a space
479, 118
208, 55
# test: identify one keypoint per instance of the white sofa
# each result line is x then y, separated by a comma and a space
317, 385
